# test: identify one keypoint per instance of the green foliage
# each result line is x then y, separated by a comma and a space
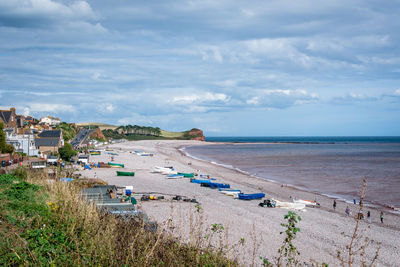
139, 130
68, 232
69, 131
288, 252
67, 151
4, 148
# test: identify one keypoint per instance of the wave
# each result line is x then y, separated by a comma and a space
372, 204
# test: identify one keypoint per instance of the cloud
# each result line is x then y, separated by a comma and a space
352, 98
207, 98
109, 107
281, 99
45, 107
42, 13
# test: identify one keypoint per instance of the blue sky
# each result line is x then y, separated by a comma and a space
258, 68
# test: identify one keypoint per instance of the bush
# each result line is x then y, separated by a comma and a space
66, 152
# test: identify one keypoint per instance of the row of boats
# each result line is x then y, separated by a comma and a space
207, 181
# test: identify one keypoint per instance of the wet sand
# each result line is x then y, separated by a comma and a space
321, 228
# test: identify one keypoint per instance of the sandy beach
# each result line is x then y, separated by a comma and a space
321, 228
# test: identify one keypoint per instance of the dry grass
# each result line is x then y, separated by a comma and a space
91, 237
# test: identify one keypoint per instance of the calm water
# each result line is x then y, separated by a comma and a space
333, 166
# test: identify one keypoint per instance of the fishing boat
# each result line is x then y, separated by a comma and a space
251, 196
306, 202
119, 173
199, 181
174, 176
144, 154
229, 192
116, 165
186, 175
289, 205
215, 185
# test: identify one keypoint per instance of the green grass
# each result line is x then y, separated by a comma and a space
172, 134
48, 224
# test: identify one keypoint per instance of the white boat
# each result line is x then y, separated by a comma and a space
230, 192
306, 202
289, 205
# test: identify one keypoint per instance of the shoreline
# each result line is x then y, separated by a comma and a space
367, 204
320, 228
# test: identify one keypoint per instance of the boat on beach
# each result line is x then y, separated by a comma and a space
230, 192
214, 185
186, 175
289, 205
174, 176
116, 165
119, 173
306, 202
199, 181
251, 196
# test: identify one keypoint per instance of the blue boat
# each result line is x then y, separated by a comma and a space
215, 185
251, 196
198, 181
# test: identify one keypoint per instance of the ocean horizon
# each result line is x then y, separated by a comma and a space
304, 139
327, 165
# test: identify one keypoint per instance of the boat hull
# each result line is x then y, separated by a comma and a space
251, 196
125, 173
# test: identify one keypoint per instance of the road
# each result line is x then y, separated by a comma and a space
81, 138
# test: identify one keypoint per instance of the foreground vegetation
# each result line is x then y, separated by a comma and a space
49, 224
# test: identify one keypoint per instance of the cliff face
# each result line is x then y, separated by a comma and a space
98, 134
196, 134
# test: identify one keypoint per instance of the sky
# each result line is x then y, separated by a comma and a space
230, 68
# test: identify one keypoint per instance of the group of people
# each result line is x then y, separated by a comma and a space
360, 214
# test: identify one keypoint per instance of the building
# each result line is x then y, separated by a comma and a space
49, 141
8, 118
23, 143
51, 121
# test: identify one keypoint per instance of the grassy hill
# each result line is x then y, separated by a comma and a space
172, 134
102, 126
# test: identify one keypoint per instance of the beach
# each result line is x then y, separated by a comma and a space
252, 230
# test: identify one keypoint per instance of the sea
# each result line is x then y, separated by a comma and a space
331, 166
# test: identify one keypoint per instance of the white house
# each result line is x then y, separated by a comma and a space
23, 143
51, 121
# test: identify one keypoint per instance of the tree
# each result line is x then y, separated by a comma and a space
66, 152
4, 148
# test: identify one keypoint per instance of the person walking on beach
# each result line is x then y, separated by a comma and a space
348, 211
354, 201
369, 216
334, 204
381, 216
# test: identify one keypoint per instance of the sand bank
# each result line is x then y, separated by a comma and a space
320, 237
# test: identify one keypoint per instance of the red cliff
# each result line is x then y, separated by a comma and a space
196, 134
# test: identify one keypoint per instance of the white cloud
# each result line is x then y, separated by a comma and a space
211, 52
201, 98
397, 92
26, 111
109, 107
44, 107
49, 8
279, 98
